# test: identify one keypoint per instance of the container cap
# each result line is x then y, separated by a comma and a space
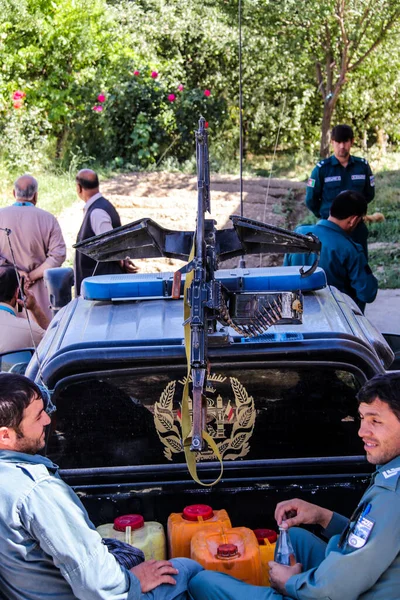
133, 521
227, 550
194, 511
262, 534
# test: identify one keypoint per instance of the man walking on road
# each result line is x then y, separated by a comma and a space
338, 173
362, 557
36, 239
99, 216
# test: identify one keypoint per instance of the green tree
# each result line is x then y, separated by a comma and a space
338, 37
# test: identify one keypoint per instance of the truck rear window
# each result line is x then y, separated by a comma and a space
252, 414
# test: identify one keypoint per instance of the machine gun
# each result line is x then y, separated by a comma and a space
206, 299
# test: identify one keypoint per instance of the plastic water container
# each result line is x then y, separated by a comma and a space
183, 526
232, 551
267, 542
148, 536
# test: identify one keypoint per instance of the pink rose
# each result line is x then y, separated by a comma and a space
171, 97
136, 73
18, 95
17, 104
154, 74
97, 108
101, 98
207, 93
180, 88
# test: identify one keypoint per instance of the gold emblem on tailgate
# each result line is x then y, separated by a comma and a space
230, 423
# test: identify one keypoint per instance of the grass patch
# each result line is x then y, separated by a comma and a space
385, 264
56, 187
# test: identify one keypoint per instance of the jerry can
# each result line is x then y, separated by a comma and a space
267, 541
196, 517
233, 551
148, 536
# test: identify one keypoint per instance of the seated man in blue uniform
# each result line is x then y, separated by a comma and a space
341, 257
338, 173
48, 546
362, 557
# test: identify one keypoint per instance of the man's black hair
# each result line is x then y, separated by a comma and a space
342, 133
16, 394
348, 204
88, 184
8, 283
386, 388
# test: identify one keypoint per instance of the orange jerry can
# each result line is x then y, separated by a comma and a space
182, 526
232, 551
267, 541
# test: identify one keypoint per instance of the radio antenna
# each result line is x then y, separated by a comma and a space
242, 262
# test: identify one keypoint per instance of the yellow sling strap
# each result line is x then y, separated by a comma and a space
185, 419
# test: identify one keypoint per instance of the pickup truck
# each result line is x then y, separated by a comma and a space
281, 406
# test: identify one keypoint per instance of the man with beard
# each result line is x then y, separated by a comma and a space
48, 545
340, 172
362, 556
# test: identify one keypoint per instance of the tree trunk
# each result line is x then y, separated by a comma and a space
60, 140
326, 128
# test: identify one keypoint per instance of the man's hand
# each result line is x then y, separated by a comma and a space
32, 305
279, 574
129, 266
153, 573
27, 279
30, 300
290, 513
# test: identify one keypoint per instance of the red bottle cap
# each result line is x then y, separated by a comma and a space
262, 534
194, 511
227, 550
133, 521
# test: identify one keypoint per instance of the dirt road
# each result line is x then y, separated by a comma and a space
170, 199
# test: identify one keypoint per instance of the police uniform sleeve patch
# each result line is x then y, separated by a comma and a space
311, 182
361, 532
368, 270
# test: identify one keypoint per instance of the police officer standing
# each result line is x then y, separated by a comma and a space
340, 172
362, 556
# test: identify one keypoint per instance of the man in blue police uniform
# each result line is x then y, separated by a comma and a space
362, 557
338, 173
49, 548
341, 258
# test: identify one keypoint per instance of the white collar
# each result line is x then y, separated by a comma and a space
91, 201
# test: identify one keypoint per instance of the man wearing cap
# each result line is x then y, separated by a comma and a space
341, 171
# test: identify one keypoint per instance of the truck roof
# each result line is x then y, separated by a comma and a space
136, 311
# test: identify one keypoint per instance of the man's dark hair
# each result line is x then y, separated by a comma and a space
8, 283
88, 184
348, 204
16, 393
386, 388
342, 133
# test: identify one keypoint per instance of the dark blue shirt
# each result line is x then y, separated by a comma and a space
329, 178
342, 259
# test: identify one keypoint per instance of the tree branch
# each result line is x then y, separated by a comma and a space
378, 41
